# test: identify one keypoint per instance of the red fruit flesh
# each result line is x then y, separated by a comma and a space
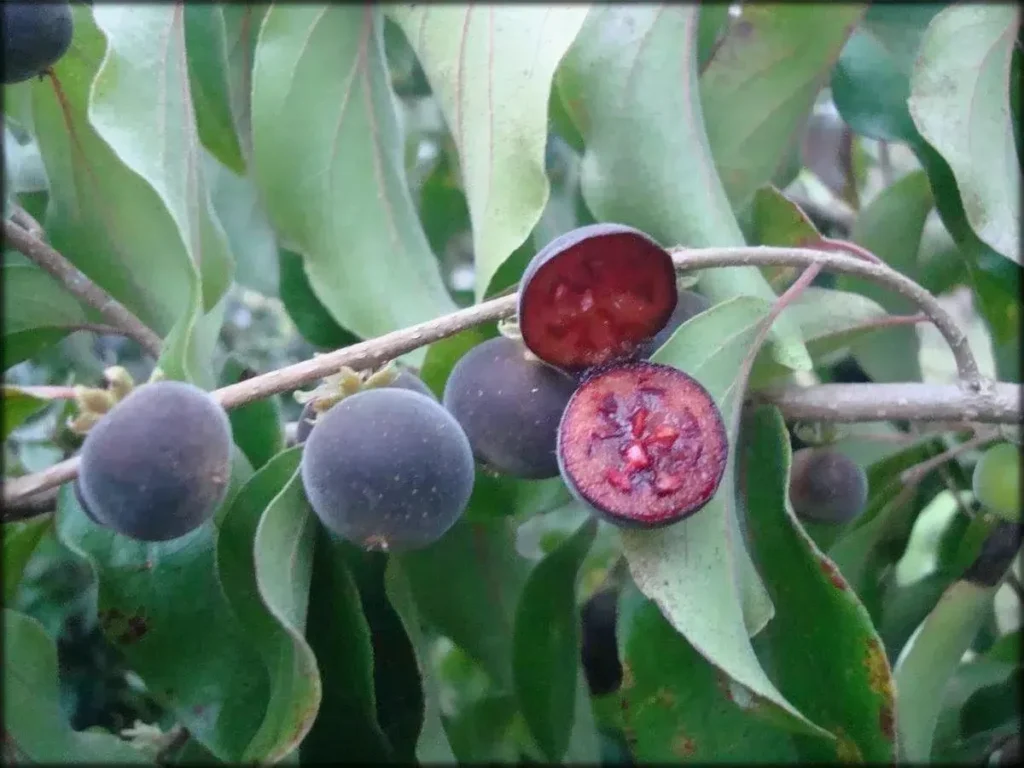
643, 443
594, 295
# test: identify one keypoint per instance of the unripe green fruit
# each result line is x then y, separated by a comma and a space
157, 465
997, 481
826, 486
36, 36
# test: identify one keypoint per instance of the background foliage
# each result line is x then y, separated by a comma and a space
277, 180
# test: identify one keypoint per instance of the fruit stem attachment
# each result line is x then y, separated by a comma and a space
81, 287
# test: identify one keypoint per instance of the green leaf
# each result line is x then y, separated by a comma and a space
283, 559
37, 312
546, 642
19, 542
629, 82
255, 427
346, 726
467, 587
19, 405
779, 221
332, 176
678, 707
444, 354
960, 103
697, 570
849, 689
759, 87
162, 607
36, 728
891, 228
206, 50
311, 318
242, 22
491, 70
432, 745
712, 28
927, 664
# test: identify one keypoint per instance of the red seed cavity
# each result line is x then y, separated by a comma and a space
642, 443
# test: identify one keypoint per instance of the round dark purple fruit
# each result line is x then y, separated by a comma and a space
509, 403
36, 36
689, 305
404, 380
388, 469
643, 444
827, 486
157, 465
594, 295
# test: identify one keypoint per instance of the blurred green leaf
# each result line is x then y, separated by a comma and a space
37, 312
242, 23
760, 85
495, 99
779, 221
36, 728
712, 27
311, 318
959, 101
891, 228
928, 663
19, 542
332, 176
255, 427
161, 606
481, 731
467, 587
848, 690
697, 570
346, 728
546, 643
206, 49
18, 404
676, 707
630, 84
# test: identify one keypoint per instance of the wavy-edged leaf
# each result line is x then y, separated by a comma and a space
337, 631
960, 103
35, 728
491, 69
848, 690
328, 159
675, 706
37, 312
283, 564
256, 427
629, 82
19, 542
19, 405
161, 606
546, 642
760, 85
698, 571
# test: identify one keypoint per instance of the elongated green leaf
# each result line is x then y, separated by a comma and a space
960, 103
761, 83
432, 745
675, 706
19, 542
37, 312
849, 689
698, 571
256, 427
630, 84
161, 605
206, 48
283, 560
311, 318
491, 68
242, 22
36, 729
546, 643
19, 405
332, 175
467, 587
346, 727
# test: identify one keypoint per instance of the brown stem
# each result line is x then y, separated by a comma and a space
917, 472
81, 287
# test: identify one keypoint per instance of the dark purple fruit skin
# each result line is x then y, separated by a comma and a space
826, 486
599, 649
157, 465
689, 304
509, 406
404, 380
564, 242
388, 468
36, 36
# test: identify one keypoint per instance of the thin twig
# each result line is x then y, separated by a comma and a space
24, 219
47, 392
81, 287
916, 473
